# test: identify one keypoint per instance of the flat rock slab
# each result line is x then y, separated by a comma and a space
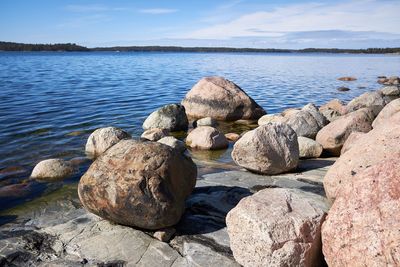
60, 233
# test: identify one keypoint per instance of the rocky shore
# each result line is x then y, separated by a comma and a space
311, 186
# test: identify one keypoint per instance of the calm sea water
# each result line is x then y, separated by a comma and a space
50, 102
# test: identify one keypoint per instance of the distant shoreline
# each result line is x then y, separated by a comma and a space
70, 47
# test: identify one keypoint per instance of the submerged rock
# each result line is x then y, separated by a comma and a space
104, 138
347, 79
333, 135
220, 99
269, 149
142, 184
362, 227
208, 121
154, 134
343, 89
53, 169
309, 148
206, 137
171, 117
277, 227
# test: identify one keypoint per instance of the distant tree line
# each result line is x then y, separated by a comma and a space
9, 46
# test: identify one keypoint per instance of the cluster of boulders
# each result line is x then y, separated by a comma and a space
144, 183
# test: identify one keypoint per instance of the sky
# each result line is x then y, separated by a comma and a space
236, 23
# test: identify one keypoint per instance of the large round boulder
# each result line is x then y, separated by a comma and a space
386, 113
362, 227
220, 99
171, 117
53, 169
102, 139
371, 148
277, 227
333, 135
207, 138
140, 184
269, 149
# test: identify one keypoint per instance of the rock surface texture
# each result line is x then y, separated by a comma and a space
332, 110
104, 138
220, 99
154, 134
141, 184
208, 121
277, 227
206, 137
350, 141
173, 142
53, 169
333, 135
270, 118
362, 227
269, 149
371, 100
375, 146
391, 109
171, 117
309, 148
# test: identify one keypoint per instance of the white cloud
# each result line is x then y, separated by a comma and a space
158, 11
364, 15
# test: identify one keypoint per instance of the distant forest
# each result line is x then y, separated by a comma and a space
70, 47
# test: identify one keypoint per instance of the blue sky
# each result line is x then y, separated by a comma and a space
236, 23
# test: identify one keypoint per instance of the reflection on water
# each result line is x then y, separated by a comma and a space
51, 102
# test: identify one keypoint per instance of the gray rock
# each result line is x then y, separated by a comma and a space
303, 123
390, 91
173, 142
371, 100
313, 110
102, 139
53, 169
171, 117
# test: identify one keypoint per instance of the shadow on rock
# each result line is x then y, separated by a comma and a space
207, 208
312, 164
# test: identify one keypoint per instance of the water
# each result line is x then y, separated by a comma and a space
50, 102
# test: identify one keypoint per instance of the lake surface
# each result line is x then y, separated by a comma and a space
51, 102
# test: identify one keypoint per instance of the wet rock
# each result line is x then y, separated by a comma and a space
154, 134
277, 227
362, 225
206, 137
269, 149
343, 89
173, 142
142, 184
379, 144
208, 121
53, 169
371, 100
104, 138
347, 79
386, 113
171, 117
220, 99
232, 137
270, 118
333, 135
309, 148
350, 141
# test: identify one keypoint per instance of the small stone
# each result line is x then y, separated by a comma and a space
206, 137
155, 134
53, 169
232, 136
208, 121
309, 148
171, 117
164, 235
